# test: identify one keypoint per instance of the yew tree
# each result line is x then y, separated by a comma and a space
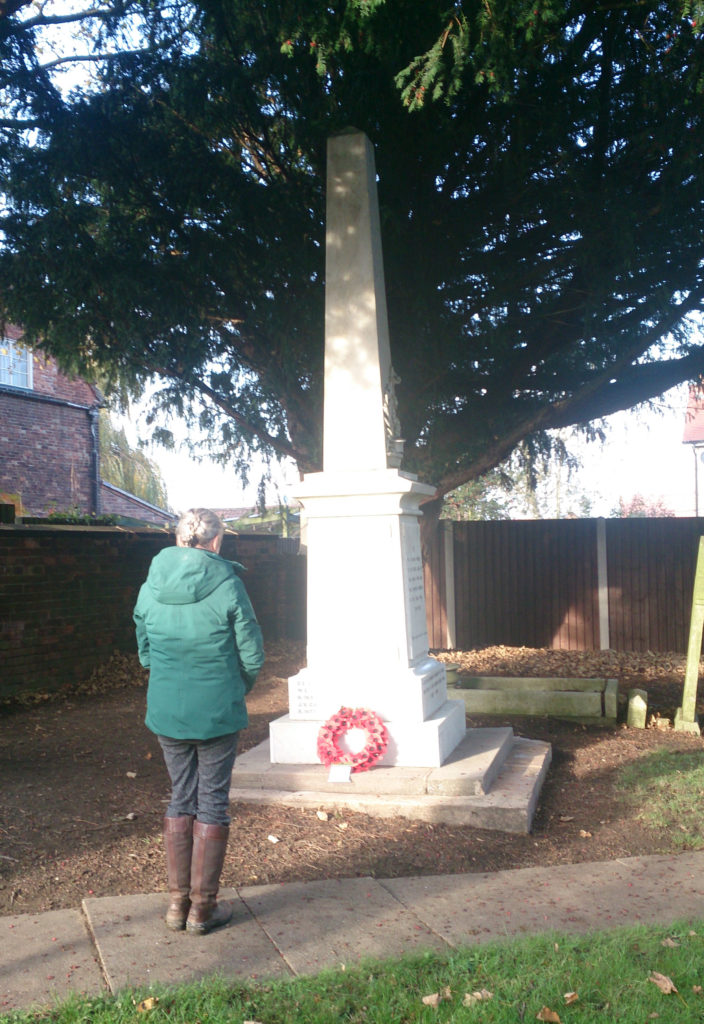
541, 175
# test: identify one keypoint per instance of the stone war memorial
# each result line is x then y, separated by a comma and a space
367, 645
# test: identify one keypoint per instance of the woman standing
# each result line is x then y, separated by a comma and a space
198, 636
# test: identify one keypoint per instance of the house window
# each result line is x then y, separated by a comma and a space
15, 364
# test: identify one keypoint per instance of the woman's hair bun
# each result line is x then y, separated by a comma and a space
197, 527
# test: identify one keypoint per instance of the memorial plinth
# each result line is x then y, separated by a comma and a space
367, 632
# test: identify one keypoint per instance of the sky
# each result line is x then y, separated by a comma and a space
643, 454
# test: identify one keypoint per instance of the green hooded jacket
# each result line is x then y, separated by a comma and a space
198, 636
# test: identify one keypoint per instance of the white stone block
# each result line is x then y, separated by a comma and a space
412, 744
400, 694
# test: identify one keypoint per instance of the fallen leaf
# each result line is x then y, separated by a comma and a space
323, 815
548, 1015
662, 981
567, 817
437, 997
147, 1004
670, 943
570, 997
273, 839
470, 998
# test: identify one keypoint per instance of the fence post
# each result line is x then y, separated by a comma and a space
602, 575
686, 715
448, 543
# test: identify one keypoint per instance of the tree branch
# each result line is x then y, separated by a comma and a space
284, 448
21, 125
94, 57
41, 20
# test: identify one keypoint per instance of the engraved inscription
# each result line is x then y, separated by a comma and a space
434, 690
301, 698
414, 588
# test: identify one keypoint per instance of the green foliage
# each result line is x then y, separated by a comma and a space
278, 521
540, 480
73, 517
127, 467
541, 222
477, 499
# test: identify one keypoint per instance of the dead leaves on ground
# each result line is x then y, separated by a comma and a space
445, 995
147, 1004
662, 981
546, 1014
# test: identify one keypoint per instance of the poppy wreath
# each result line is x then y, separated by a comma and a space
335, 728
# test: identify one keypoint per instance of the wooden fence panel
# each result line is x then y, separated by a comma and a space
651, 564
434, 580
534, 583
531, 583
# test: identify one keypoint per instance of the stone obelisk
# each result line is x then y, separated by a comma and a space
367, 634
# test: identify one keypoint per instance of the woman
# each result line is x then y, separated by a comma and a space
198, 636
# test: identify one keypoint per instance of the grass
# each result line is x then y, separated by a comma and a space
610, 973
669, 788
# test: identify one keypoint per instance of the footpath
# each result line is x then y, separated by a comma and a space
286, 930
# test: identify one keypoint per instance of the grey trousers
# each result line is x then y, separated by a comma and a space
200, 772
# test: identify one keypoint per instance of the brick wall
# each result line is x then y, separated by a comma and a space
49, 380
67, 594
114, 501
46, 453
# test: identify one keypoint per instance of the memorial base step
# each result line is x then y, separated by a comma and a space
492, 780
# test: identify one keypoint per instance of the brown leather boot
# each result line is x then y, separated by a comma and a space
209, 845
178, 844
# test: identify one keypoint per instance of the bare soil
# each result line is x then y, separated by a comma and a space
84, 790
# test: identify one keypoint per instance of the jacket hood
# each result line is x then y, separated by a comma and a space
187, 575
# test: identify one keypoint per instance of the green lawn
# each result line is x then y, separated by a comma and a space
668, 788
609, 976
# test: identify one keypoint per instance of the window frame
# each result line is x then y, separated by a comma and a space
9, 360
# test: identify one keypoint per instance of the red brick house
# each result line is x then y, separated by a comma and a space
49, 437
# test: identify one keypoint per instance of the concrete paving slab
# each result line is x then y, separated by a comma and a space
137, 949
327, 923
44, 958
471, 909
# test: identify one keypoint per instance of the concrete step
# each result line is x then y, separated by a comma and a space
492, 780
